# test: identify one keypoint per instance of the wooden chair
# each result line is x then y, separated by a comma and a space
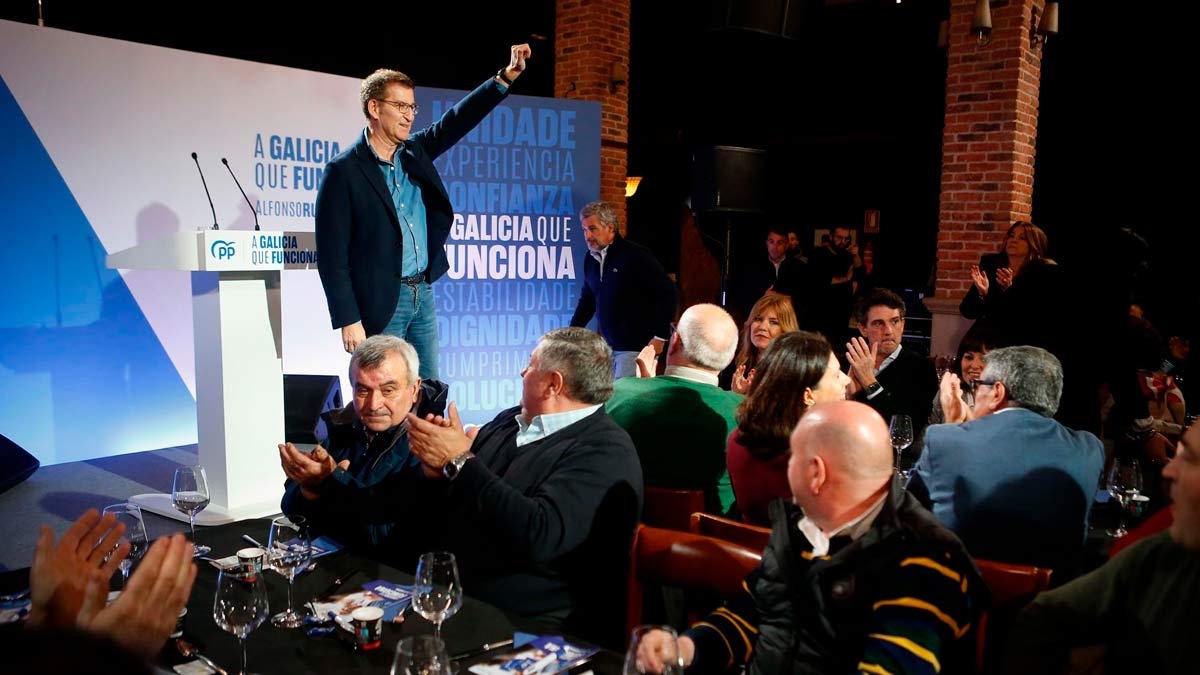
750, 536
1012, 587
684, 560
669, 508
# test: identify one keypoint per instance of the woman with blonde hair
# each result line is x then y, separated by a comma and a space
1015, 290
770, 317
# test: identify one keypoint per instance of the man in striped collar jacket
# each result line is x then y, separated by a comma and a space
857, 577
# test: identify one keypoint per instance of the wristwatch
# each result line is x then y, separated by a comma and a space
872, 389
454, 466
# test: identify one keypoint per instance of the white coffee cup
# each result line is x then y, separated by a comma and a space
250, 560
368, 627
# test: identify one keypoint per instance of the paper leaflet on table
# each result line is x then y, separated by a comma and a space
392, 598
544, 656
12, 611
320, 546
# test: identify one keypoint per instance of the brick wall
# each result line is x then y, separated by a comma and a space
591, 37
988, 144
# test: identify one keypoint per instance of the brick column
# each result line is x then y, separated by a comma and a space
988, 147
590, 37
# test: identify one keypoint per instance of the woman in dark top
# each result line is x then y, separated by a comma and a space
968, 366
770, 317
1017, 292
796, 371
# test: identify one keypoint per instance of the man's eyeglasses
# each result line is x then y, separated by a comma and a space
986, 383
402, 106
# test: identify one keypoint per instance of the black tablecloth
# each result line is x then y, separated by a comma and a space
291, 652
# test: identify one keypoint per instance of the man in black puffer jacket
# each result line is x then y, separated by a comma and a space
857, 578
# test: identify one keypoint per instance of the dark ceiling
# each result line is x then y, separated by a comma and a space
849, 105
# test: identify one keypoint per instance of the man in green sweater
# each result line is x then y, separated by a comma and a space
1144, 605
681, 421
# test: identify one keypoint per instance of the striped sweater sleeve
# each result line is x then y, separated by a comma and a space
917, 622
725, 638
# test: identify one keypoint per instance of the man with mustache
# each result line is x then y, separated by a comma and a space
367, 440
832, 268
539, 505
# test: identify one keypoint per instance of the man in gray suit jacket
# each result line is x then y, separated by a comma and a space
1012, 483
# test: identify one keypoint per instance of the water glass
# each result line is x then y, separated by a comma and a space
289, 551
421, 655
240, 605
901, 428
1124, 482
135, 533
653, 649
437, 591
189, 494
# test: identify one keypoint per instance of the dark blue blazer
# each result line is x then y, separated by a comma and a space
1015, 486
909, 385
757, 276
359, 240
636, 299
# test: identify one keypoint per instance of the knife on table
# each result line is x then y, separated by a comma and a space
481, 650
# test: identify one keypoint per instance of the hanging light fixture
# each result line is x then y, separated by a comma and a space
1047, 26
981, 25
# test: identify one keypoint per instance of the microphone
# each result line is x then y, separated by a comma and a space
206, 193
235, 182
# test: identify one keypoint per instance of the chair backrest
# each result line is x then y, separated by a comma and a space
684, 560
750, 536
1011, 587
669, 508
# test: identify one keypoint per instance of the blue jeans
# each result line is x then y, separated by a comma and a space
624, 364
415, 321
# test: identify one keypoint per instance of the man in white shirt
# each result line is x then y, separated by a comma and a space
884, 375
625, 288
857, 577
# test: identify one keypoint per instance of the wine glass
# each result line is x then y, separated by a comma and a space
1124, 481
421, 655
289, 550
901, 428
241, 604
189, 493
437, 591
943, 363
135, 533
653, 649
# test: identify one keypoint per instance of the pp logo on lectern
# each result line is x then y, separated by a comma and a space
222, 250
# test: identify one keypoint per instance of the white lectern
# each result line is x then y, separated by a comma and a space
239, 360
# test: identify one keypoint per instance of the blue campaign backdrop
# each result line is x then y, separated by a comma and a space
517, 183
84, 372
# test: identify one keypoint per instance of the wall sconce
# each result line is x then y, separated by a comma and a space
631, 185
981, 25
617, 76
1046, 27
